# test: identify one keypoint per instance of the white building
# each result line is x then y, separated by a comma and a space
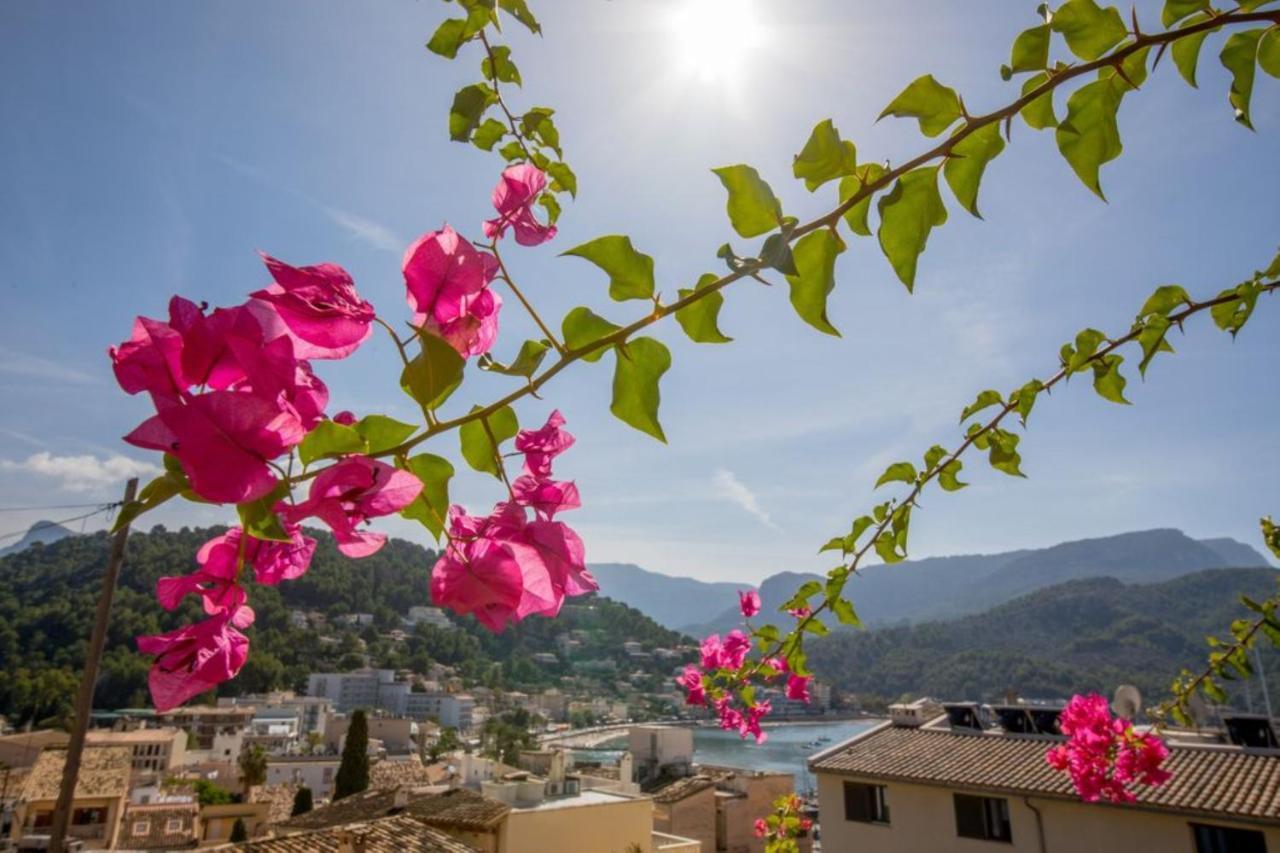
316, 772
378, 690
434, 616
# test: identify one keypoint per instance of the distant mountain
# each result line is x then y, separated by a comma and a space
944, 587
44, 532
669, 601
1077, 636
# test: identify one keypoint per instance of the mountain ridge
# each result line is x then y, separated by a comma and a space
43, 532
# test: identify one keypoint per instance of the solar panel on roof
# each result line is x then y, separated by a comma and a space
1250, 730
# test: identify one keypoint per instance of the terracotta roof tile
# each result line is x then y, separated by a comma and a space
455, 809
386, 835
104, 772
1213, 780
157, 817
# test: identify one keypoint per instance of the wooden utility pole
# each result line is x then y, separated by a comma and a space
84, 697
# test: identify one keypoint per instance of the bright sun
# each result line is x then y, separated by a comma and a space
715, 39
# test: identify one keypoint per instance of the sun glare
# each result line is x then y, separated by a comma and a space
715, 39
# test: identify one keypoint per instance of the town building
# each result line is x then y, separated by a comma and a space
98, 802
316, 772
160, 826
660, 751
391, 834
719, 805
311, 711
398, 734
154, 751
217, 733
433, 616
955, 780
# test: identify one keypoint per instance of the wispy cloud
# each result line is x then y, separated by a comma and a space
35, 367
375, 234
85, 473
732, 489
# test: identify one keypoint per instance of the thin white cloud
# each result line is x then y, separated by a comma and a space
375, 234
85, 473
35, 367
732, 489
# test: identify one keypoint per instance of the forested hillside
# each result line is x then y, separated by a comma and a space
1078, 636
48, 594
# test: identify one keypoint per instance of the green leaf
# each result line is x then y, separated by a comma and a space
548, 201
1269, 52
898, 472
1003, 454
1164, 300
563, 178
449, 36
1039, 113
949, 476
1273, 270
936, 106
479, 451
526, 362
908, 213
856, 216
488, 134
963, 169
933, 456
435, 373
1107, 379
815, 258
1090, 30
700, 319
845, 613
469, 105
500, 66
519, 10
512, 151
753, 208
1134, 68
431, 506
330, 438
1231, 316
381, 433
167, 485
824, 157
259, 519
640, 364
1089, 135
1087, 342
1186, 51
1026, 397
1238, 56
583, 326
1176, 10
1030, 50
630, 272
985, 399
538, 124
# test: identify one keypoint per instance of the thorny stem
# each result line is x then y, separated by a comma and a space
506, 277
751, 267
1175, 319
1185, 691
497, 91
497, 457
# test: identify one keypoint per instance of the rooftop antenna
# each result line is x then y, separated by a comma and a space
1127, 701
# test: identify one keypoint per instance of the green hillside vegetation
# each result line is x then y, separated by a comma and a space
1083, 635
48, 594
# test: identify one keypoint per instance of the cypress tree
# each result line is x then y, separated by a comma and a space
353, 772
301, 802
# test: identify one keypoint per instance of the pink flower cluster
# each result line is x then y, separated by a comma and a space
234, 390
727, 657
1104, 755
786, 823
506, 566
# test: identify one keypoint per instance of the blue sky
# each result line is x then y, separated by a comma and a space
150, 148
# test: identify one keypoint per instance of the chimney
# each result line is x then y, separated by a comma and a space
352, 839
402, 798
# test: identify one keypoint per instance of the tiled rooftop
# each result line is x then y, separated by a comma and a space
1210, 780
386, 835
681, 788
104, 772
456, 809
157, 817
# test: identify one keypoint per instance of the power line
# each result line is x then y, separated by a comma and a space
44, 525
48, 506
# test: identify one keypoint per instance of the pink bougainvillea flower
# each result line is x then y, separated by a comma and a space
542, 445
733, 651
761, 828
196, 658
749, 602
545, 497
1105, 755
711, 652
151, 361
750, 724
223, 440
691, 681
513, 198
350, 492
317, 306
216, 582
801, 612
798, 687
778, 665
730, 717
447, 285
345, 418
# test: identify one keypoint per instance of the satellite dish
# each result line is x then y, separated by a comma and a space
1127, 702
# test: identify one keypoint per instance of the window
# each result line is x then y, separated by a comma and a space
90, 816
141, 827
866, 803
986, 818
174, 824
1224, 839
